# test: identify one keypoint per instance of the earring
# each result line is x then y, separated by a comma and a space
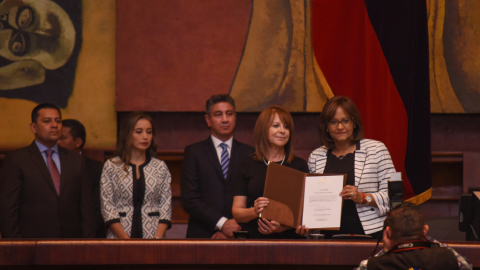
354, 126
327, 130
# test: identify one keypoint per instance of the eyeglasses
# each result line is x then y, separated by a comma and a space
345, 122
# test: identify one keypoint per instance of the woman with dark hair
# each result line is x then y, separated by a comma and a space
135, 186
367, 164
273, 143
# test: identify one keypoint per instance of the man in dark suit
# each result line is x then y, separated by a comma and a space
207, 173
73, 138
43, 189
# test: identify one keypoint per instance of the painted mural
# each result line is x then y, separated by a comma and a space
454, 40
278, 65
259, 51
39, 45
62, 52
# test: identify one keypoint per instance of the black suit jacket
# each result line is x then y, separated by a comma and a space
94, 173
29, 204
206, 196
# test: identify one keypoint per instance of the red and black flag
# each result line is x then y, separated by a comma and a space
376, 53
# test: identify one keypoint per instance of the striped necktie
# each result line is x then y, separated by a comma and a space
225, 160
53, 170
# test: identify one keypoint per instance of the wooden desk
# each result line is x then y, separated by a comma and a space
194, 254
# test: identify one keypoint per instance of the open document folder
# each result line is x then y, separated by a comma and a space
298, 198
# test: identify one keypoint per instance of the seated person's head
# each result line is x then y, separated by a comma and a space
405, 222
73, 135
46, 124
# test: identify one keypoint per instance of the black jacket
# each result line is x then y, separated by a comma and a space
29, 204
206, 196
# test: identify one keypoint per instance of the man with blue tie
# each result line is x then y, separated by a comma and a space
207, 173
43, 189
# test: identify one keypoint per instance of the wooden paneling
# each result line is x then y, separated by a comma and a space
447, 175
454, 140
17, 252
447, 184
455, 132
198, 254
440, 209
471, 170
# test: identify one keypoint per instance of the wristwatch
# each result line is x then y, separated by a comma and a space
369, 199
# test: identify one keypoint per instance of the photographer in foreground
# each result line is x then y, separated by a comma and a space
407, 246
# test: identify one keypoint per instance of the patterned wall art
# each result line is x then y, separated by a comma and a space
259, 51
61, 52
278, 65
39, 45
454, 33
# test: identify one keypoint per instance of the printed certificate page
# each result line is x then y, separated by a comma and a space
322, 206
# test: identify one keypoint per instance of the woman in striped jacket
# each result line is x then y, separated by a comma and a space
367, 164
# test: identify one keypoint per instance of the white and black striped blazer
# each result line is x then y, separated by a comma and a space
116, 196
373, 166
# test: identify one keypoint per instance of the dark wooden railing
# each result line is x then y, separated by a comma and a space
194, 254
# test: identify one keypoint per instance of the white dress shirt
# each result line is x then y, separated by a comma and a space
216, 143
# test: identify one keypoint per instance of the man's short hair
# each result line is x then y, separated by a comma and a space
216, 99
77, 130
43, 106
406, 221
